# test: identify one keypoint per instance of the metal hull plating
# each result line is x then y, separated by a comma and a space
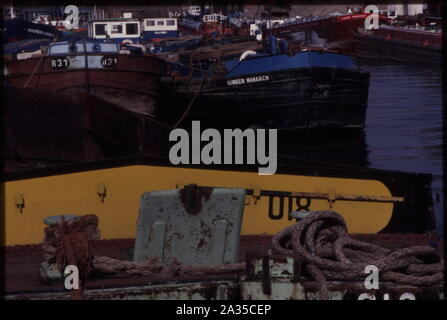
64, 127
371, 46
303, 98
18, 29
158, 35
370, 200
129, 81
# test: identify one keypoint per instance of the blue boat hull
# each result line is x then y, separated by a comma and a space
151, 35
18, 29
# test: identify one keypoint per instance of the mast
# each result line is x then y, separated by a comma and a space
12, 11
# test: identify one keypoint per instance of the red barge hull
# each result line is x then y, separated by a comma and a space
128, 81
403, 45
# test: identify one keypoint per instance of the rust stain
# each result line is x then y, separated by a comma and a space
191, 196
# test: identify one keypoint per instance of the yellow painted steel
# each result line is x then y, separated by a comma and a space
114, 194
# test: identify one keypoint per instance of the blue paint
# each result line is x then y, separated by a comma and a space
264, 63
25, 45
175, 45
272, 40
150, 35
89, 46
21, 29
191, 24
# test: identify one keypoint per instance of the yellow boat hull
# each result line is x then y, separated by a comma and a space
113, 194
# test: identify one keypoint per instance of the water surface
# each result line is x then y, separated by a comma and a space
404, 121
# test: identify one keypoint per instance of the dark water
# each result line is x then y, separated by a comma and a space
403, 128
404, 121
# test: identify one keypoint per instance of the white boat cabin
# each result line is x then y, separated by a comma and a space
81, 47
83, 54
115, 30
159, 28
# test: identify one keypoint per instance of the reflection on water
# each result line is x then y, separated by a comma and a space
403, 128
404, 121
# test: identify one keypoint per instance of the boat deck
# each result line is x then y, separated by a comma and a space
22, 266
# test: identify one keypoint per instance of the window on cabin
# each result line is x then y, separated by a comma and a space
150, 23
131, 28
117, 29
57, 49
160, 23
170, 22
100, 29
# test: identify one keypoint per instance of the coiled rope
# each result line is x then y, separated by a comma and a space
321, 241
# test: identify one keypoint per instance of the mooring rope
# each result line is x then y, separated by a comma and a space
196, 93
154, 266
35, 69
321, 241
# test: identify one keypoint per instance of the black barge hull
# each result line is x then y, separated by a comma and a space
305, 98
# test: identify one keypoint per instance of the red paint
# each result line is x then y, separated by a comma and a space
423, 38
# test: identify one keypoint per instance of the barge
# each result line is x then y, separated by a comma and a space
214, 263
146, 210
18, 29
306, 89
70, 127
410, 45
370, 200
98, 68
338, 29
